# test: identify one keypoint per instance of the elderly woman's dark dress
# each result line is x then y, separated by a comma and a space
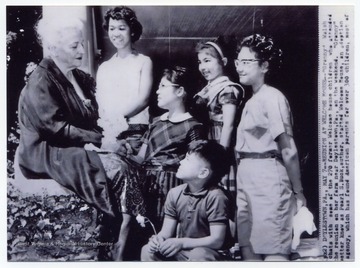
55, 125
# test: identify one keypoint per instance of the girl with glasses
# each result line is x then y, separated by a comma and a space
268, 176
141, 181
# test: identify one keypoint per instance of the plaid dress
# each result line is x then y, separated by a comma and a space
167, 144
124, 183
217, 93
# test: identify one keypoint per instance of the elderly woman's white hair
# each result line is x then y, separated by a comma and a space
50, 30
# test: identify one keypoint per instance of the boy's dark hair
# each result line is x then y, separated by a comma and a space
215, 154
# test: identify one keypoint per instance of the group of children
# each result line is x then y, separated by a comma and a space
155, 173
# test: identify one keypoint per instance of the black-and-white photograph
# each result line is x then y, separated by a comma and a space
180, 133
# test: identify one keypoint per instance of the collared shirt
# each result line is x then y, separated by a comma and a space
266, 115
167, 141
196, 212
177, 118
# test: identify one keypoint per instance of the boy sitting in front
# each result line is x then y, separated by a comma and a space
199, 206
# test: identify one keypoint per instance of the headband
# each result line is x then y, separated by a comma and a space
217, 48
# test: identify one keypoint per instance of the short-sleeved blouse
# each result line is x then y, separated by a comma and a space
266, 115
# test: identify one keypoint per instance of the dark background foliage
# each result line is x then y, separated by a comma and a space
21, 49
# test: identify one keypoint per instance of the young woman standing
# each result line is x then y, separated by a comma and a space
268, 176
124, 81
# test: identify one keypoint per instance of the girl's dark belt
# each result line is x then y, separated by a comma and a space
269, 154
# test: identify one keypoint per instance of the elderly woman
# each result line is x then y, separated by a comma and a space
58, 115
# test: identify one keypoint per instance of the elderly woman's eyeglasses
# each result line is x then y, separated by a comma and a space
244, 62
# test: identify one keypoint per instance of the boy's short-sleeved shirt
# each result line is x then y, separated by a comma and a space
195, 212
266, 115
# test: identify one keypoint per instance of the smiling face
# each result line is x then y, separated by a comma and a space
250, 70
70, 50
167, 93
209, 66
119, 33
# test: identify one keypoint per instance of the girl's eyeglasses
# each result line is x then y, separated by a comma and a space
169, 85
244, 62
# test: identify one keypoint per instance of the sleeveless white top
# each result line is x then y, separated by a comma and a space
118, 85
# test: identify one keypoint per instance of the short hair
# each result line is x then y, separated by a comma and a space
264, 49
50, 30
129, 16
183, 77
215, 155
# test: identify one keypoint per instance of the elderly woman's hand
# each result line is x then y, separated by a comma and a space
120, 147
93, 137
82, 136
123, 148
91, 147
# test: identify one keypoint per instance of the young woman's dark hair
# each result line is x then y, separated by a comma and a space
129, 16
264, 49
